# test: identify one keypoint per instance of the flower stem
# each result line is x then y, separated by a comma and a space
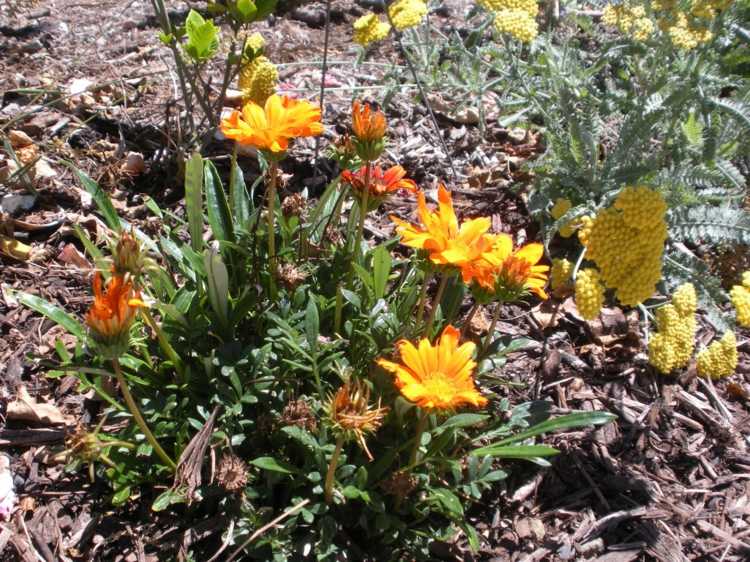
423, 296
491, 332
421, 426
164, 344
133, 407
271, 216
435, 303
338, 311
328, 490
362, 210
469, 318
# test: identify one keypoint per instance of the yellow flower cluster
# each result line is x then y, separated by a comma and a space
258, 80
589, 293
686, 24
672, 347
629, 20
560, 273
584, 230
514, 17
369, 29
720, 358
740, 295
518, 24
529, 6
627, 241
255, 42
407, 13
560, 207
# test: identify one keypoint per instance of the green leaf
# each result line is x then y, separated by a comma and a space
194, 200
693, 130
381, 266
218, 286
219, 216
515, 451
54, 313
121, 496
303, 437
265, 8
568, 421
167, 498
246, 9
447, 500
91, 249
273, 465
101, 198
241, 204
461, 420
312, 323
203, 37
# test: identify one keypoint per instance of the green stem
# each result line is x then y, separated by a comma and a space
423, 297
435, 303
469, 318
421, 426
271, 216
491, 332
339, 310
271, 221
164, 344
328, 490
133, 407
362, 210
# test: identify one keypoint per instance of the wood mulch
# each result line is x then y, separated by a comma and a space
668, 481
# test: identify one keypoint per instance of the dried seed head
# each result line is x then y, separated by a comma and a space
231, 473
290, 276
333, 235
350, 414
299, 413
294, 205
83, 444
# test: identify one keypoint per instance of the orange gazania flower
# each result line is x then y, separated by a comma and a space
381, 182
271, 127
368, 125
436, 377
114, 309
507, 273
447, 242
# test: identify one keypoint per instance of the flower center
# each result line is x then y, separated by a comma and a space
439, 387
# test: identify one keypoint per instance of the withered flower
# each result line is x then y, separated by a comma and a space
299, 413
290, 276
231, 473
351, 416
294, 205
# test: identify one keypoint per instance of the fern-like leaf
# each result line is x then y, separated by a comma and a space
716, 225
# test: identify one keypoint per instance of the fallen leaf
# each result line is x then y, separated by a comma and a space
26, 408
134, 164
19, 139
14, 249
72, 256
